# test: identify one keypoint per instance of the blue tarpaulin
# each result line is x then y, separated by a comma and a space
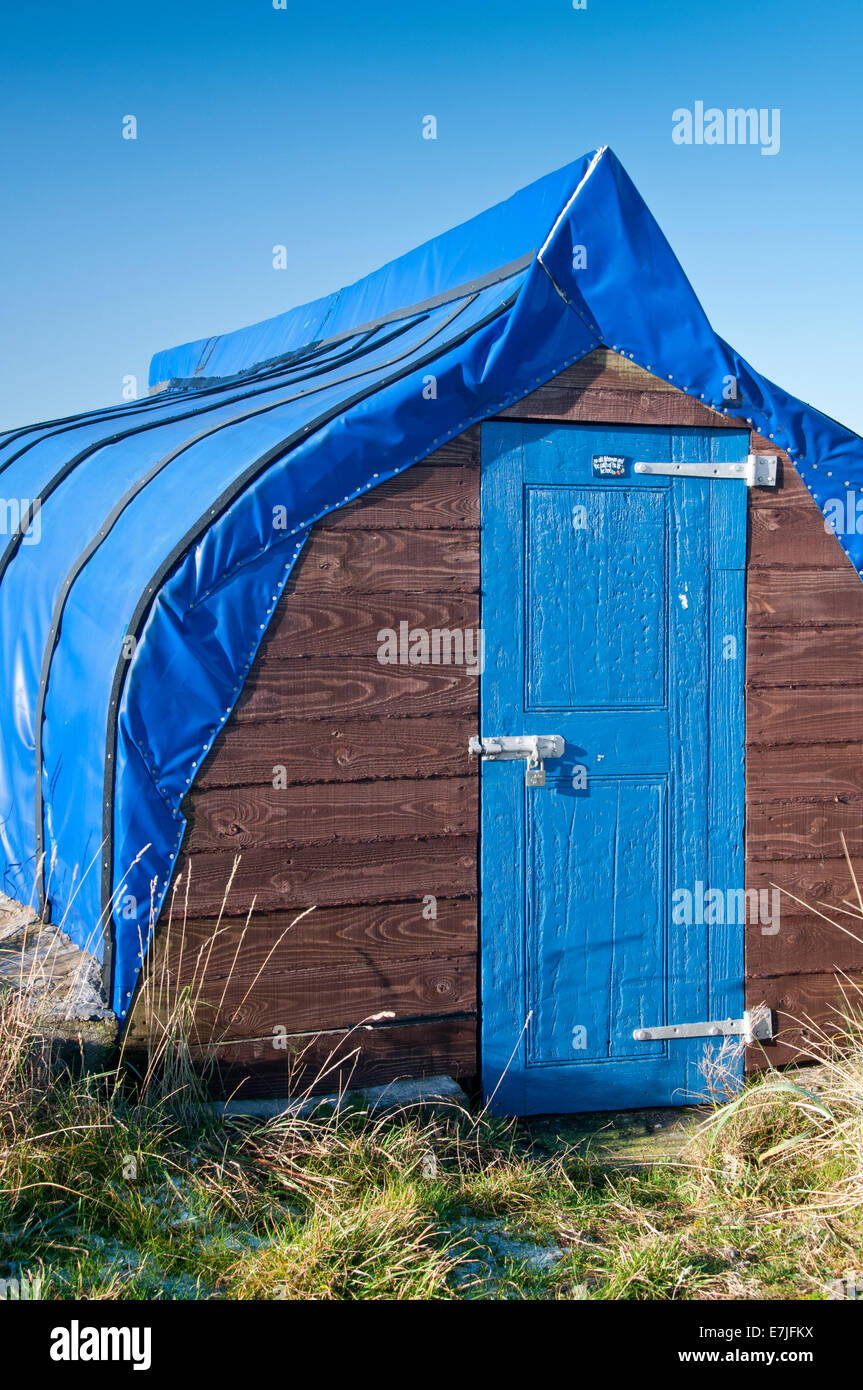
151, 541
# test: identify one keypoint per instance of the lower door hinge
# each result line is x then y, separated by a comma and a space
755, 1025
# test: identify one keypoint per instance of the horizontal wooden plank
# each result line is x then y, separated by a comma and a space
353, 687
793, 598
324, 751
609, 404
333, 875
804, 945
783, 534
815, 881
605, 367
808, 1007
804, 829
337, 1061
339, 996
349, 624
238, 817
426, 496
324, 938
806, 656
805, 715
462, 451
792, 772
388, 561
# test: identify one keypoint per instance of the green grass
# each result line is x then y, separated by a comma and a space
108, 1191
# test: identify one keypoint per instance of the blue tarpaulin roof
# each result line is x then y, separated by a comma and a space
155, 538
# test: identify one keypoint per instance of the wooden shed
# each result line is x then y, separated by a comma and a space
549, 733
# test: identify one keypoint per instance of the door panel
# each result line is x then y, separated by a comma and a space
608, 605
612, 650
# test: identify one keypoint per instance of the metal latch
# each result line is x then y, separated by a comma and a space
756, 1024
758, 470
534, 748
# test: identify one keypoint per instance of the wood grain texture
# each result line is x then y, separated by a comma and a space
317, 751
809, 1011
324, 938
808, 656
426, 497
786, 535
332, 1062
804, 766
340, 996
461, 452
810, 829
277, 879
607, 387
815, 881
597, 872
789, 773
798, 716
382, 561
354, 688
804, 944
337, 625
240, 817
801, 598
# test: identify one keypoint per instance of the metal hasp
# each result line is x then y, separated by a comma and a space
534, 748
758, 470
755, 1025
508, 747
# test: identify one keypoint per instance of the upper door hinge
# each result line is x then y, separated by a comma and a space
758, 470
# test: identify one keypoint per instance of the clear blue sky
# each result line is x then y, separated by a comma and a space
302, 126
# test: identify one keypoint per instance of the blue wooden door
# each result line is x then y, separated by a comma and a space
613, 609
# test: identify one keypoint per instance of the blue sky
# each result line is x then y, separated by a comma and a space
302, 126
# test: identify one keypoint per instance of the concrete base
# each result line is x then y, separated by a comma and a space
429, 1090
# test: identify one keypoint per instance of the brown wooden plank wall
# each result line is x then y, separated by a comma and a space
374, 811
804, 769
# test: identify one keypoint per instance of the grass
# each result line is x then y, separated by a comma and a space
127, 1185
121, 1191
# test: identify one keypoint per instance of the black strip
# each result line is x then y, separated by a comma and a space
139, 616
314, 352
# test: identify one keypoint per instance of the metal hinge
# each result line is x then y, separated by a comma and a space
758, 470
756, 1024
